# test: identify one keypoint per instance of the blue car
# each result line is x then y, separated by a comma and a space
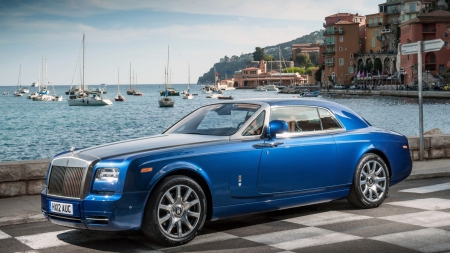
223, 160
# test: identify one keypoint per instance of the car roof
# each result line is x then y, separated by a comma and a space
350, 119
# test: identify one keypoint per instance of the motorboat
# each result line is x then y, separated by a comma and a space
271, 87
166, 102
260, 88
32, 95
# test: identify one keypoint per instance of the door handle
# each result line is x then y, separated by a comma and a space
268, 145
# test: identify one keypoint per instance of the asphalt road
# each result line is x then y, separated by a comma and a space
415, 218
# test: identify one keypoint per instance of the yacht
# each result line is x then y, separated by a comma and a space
260, 88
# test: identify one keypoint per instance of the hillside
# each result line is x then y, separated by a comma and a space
228, 65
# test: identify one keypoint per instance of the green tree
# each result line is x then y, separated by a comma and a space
303, 60
314, 57
258, 54
301, 71
268, 57
318, 75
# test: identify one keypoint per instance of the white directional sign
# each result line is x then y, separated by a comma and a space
432, 45
427, 46
410, 48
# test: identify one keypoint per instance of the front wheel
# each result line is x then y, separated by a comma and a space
175, 212
370, 183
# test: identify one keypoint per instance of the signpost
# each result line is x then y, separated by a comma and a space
418, 48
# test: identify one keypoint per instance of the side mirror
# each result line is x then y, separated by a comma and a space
277, 127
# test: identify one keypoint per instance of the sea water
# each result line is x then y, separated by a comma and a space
38, 129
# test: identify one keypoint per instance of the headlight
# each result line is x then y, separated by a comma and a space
107, 174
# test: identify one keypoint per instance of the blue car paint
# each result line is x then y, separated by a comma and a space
209, 157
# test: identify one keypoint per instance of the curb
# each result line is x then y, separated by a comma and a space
429, 175
21, 219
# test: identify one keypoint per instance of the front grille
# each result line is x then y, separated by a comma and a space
65, 181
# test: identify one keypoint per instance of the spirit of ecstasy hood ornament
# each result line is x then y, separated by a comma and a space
72, 149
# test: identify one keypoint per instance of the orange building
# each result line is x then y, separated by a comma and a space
344, 35
426, 26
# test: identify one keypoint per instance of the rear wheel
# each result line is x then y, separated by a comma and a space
370, 183
175, 212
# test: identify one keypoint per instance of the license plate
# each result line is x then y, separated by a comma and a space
63, 208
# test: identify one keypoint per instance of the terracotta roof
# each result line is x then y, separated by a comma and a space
344, 22
438, 13
340, 15
251, 68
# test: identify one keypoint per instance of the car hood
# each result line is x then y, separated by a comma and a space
147, 144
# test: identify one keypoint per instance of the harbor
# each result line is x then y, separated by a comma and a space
38, 130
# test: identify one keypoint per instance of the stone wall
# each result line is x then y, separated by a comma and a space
436, 146
28, 177
22, 177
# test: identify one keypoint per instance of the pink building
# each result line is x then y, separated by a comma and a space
249, 78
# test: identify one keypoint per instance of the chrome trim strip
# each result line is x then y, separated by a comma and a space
63, 217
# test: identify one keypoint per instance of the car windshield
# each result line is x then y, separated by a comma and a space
217, 119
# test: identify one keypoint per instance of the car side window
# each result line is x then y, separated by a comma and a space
329, 122
298, 118
256, 127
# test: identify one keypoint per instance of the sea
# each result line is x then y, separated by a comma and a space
31, 130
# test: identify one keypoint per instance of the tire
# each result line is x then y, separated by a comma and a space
175, 211
370, 183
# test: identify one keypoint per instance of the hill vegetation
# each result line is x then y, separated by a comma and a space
228, 65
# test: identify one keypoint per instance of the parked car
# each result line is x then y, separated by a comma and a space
354, 87
223, 160
338, 86
446, 87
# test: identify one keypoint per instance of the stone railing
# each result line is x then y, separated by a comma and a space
436, 146
28, 177
22, 177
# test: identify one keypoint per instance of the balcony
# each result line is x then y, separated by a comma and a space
329, 43
329, 63
429, 30
374, 24
383, 31
331, 52
333, 32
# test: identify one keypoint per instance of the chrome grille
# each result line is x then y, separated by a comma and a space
65, 181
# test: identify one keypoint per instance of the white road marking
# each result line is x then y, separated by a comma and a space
426, 204
424, 240
428, 189
428, 219
61, 238
326, 218
4, 235
301, 238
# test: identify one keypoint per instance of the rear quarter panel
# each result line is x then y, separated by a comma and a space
352, 145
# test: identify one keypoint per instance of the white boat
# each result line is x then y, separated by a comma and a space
43, 97
214, 95
119, 96
206, 89
35, 84
18, 94
81, 98
165, 101
32, 95
187, 94
260, 88
5, 93
56, 98
271, 87
24, 90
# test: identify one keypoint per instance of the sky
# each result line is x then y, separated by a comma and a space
196, 33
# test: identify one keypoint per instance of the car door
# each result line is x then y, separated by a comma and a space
300, 160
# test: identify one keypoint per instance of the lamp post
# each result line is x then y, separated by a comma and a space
328, 83
428, 73
346, 79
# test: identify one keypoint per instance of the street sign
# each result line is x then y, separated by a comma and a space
432, 45
427, 46
410, 48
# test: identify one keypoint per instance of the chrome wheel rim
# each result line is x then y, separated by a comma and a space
372, 181
179, 211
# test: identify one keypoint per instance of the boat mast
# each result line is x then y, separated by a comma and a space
82, 85
130, 75
189, 78
118, 82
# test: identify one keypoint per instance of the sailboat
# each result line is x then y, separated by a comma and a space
136, 93
81, 98
119, 96
44, 92
17, 93
130, 91
165, 101
188, 95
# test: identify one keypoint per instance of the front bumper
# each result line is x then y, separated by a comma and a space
119, 212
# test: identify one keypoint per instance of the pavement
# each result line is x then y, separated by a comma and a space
27, 209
